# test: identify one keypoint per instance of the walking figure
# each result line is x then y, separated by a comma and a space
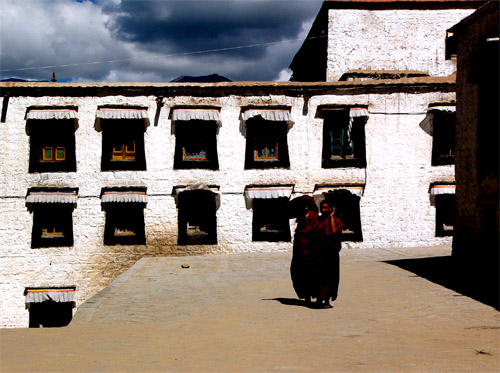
303, 209
327, 258
316, 245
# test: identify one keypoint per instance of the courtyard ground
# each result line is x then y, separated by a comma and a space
238, 312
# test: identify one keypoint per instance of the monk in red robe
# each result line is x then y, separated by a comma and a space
326, 256
304, 209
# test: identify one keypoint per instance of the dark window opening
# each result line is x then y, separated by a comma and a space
196, 145
124, 224
451, 46
50, 314
52, 225
123, 145
267, 145
443, 141
343, 140
197, 218
52, 146
5, 105
348, 210
270, 220
445, 214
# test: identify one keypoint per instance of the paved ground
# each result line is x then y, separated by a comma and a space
239, 313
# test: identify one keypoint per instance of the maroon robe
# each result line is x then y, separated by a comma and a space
302, 266
326, 258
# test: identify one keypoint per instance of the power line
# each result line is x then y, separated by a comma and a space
162, 55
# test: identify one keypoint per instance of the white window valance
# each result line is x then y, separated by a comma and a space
197, 187
39, 295
266, 192
281, 115
446, 108
357, 190
52, 196
195, 114
137, 196
272, 115
442, 189
358, 112
49, 114
354, 113
121, 113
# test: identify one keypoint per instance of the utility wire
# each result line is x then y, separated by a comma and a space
163, 55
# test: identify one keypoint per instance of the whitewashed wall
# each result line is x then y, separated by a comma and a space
396, 209
405, 39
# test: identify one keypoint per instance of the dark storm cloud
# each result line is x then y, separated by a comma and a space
210, 24
151, 40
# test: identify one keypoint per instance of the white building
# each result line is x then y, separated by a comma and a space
379, 35
96, 176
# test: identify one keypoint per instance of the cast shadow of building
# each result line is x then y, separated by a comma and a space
448, 272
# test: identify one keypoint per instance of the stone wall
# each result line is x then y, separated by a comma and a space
394, 39
477, 134
396, 208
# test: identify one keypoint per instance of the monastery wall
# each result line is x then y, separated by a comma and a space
396, 207
404, 39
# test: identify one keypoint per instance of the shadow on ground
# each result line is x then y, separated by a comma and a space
297, 302
482, 286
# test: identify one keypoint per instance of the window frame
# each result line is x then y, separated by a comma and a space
127, 215
266, 148
194, 206
270, 208
53, 152
54, 134
120, 133
203, 132
124, 152
259, 130
338, 119
53, 216
445, 211
443, 137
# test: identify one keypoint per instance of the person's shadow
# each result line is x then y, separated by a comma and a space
294, 302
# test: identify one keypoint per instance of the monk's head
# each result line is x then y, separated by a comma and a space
326, 207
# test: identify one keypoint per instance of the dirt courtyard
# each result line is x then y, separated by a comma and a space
238, 312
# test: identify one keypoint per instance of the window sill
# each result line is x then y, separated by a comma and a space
271, 238
343, 163
51, 244
266, 165
186, 165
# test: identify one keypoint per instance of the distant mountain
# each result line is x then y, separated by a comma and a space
21, 80
213, 78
